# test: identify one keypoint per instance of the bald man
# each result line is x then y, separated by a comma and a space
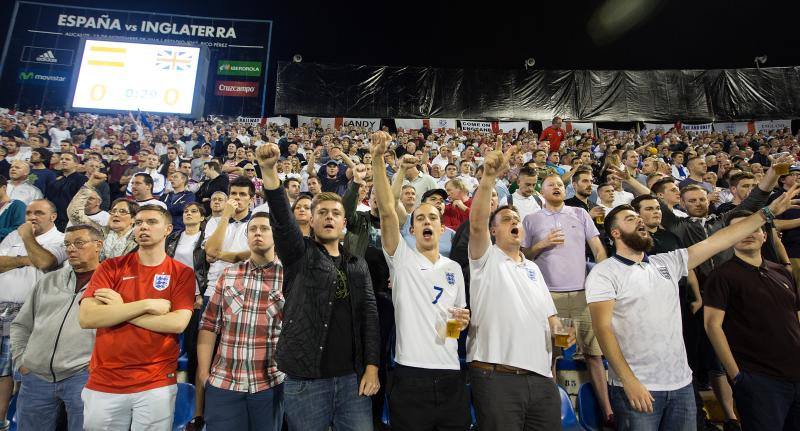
18, 186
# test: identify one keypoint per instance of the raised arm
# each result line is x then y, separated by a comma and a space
727, 237
289, 242
350, 198
479, 237
76, 208
390, 227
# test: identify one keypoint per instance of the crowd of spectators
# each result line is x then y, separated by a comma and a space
327, 262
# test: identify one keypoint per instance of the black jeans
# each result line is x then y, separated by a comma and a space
508, 402
767, 404
427, 400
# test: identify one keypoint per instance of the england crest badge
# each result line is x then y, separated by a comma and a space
532, 274
664, 272
451, 278
161, 281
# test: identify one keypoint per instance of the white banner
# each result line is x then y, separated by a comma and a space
735, 128
697, 128
654, 126
409, 124
325, 123
480, 126
581, 127
281, 121
248, 120
371, 124
443, 124
772, 125
507, 126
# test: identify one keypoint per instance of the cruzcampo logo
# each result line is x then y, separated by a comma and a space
24, 76
239, 68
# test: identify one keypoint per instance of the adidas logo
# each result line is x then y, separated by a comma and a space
47, 57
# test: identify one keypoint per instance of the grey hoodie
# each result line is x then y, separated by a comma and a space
45, 336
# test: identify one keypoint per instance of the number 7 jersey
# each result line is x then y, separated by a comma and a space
422, 293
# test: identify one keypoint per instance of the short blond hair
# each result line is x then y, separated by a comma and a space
325, 197
457, 183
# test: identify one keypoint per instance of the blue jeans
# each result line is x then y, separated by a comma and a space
315, 404
231, 410
672, 411
37, 402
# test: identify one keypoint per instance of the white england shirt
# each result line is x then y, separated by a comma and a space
647, 316
422, 293
510, 306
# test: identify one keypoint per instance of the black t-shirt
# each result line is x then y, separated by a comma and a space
761, 325
338, 356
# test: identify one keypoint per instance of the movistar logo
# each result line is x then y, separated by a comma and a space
26, 75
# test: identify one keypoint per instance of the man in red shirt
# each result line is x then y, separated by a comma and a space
139, 303
553, 134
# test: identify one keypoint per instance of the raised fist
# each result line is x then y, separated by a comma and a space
267, 155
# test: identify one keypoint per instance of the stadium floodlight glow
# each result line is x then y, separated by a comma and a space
530, 62
297, 58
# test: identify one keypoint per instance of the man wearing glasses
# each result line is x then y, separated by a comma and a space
55, 370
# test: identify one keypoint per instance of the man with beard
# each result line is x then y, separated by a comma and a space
633, 299
691, 230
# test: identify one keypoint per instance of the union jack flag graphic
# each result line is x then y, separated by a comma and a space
173, 59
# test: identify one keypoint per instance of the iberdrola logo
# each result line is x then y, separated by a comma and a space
226, 66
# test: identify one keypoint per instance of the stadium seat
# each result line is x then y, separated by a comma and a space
12, 413
569, 422
184, 406
183, 362
589, 409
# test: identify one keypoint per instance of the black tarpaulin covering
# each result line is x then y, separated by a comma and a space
596, 95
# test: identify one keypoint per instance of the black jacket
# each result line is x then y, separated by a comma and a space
308, 276
199, 257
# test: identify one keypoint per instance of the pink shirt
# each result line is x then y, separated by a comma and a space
563, 266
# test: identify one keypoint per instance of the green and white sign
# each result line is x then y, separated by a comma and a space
239, 68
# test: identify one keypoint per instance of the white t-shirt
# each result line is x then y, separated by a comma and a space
510, 306
184, 253
18, 282
622, 198
56, 136
422, 293
647, 316
235, 241
525, 206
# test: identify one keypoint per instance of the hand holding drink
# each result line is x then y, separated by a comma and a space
564, 333
598, 214
457, 321
781, 163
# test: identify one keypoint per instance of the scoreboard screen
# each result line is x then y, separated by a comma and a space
123, 76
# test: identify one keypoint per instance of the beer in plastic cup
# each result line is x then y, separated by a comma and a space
601, 218
562, 333
781, 168
453, 328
